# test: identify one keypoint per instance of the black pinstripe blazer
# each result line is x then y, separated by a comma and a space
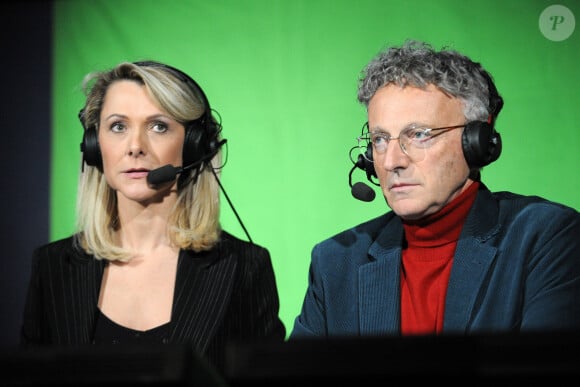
227, 294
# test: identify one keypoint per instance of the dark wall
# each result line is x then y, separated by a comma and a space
25, 125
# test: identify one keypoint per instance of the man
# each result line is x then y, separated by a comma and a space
451, 256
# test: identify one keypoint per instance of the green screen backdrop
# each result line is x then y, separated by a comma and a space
283, 76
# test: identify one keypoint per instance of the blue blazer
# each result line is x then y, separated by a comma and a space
516, 268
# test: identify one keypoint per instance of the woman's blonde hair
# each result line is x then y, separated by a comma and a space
194, 220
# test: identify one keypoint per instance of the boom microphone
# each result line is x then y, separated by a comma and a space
359, 190
168, 172
363, 192
164, 174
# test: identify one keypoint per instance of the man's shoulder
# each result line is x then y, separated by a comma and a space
514, 211
540, 206
366, 232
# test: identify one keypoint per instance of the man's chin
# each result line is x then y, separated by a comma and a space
408, 211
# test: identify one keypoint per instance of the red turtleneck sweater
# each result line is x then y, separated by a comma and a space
426, 265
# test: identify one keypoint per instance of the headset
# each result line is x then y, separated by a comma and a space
201, 141
480, 141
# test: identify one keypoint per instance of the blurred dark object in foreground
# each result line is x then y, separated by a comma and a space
537, 359
474, 360
107, 365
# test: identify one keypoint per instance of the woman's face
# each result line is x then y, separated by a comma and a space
135, 137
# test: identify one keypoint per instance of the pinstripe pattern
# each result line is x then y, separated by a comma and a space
222, 296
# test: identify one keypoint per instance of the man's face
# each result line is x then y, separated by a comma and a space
415, 188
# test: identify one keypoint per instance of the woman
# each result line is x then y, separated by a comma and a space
150, 262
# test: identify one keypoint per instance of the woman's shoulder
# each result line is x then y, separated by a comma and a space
243, 251
228, 240
59, 245
66, 249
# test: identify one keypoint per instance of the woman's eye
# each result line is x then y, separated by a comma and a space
159, 127
117, 127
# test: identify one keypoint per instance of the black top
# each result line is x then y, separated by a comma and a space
109, 332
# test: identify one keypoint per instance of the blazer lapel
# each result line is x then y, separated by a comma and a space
80, 298
379, 296
472, 260
202, 291
470, 264
379, 287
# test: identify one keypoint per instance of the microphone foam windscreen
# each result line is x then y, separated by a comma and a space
162, 175
363, 192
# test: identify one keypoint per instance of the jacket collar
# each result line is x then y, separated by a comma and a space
379, 279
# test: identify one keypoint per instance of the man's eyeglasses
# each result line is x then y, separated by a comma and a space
413, 141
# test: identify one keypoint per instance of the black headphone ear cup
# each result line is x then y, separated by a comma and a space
191, 143
481, 144
369, 162
201, 141
366, 162
91, 150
